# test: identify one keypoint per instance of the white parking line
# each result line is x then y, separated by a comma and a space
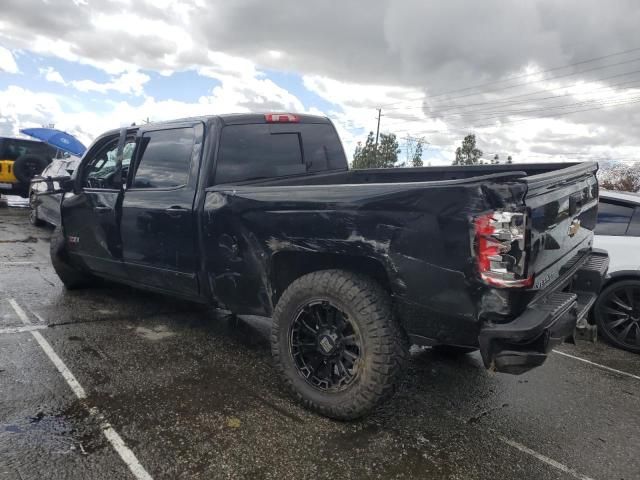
62, 368
112, 436
544, 459
604, 367
26, 328
19, 311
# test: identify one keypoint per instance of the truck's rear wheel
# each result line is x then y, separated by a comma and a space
71, 277
337, 344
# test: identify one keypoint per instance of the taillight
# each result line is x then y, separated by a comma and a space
281, 118
500, 249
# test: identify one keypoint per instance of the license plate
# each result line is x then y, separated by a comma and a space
6, 186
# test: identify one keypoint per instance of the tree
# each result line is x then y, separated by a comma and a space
495, 160
621, 177
385, 156
365, 156
416, 159
468, 154
509, 160
388, 150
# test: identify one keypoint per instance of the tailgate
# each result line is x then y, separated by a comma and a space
563, 206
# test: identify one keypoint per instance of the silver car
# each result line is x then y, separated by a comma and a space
46, 208
617, 310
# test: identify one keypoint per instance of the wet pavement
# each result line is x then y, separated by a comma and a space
192, 394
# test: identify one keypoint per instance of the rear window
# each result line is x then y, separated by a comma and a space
255, 151
613, 218
249, 152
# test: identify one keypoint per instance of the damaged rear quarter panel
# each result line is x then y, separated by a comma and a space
418, 234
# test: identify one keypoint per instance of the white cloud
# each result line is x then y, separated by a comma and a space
356, 109
22, 108
128, 83
7, 61
357, 56
52, 75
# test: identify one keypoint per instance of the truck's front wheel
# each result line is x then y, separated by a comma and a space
336, 343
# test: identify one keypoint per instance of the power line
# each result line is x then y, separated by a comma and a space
555, 97
501, 113
512, 112
507, 100
485, 125
546, 79
528, 75
636, 100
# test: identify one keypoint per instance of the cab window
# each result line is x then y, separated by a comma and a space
165, 158
100, 171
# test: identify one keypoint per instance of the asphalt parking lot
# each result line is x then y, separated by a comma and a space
116, 383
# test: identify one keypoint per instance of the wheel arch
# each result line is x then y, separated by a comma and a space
287, 266
621, 275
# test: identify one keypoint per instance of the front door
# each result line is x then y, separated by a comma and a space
91, 216
158, 222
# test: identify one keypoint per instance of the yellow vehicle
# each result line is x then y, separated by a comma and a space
20, 161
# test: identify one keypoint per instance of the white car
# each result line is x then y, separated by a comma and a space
617, 310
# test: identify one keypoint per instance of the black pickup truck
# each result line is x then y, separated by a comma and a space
260, 214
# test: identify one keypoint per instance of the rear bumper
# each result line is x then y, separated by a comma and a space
525, 342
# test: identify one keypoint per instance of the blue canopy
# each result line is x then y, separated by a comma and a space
57, 138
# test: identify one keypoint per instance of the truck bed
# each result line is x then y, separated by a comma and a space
410, 175
415, 222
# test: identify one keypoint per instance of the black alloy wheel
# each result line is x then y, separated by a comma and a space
617, 313
326, 346
337, 344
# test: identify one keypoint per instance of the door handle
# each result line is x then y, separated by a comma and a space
175, 211
102, 209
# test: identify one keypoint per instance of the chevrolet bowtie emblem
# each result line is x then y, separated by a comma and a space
574, 227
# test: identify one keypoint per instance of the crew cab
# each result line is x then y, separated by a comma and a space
260, 214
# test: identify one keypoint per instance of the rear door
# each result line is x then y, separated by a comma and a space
92, 215
158, 222
563, 206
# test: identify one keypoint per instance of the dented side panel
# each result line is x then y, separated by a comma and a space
419, 235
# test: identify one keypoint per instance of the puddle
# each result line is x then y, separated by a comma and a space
154, 334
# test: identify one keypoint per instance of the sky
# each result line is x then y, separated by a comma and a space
540, 80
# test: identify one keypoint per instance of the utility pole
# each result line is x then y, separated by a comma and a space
378, 129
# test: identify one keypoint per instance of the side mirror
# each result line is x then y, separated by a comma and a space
54, 185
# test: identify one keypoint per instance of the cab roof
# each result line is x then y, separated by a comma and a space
230, 119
